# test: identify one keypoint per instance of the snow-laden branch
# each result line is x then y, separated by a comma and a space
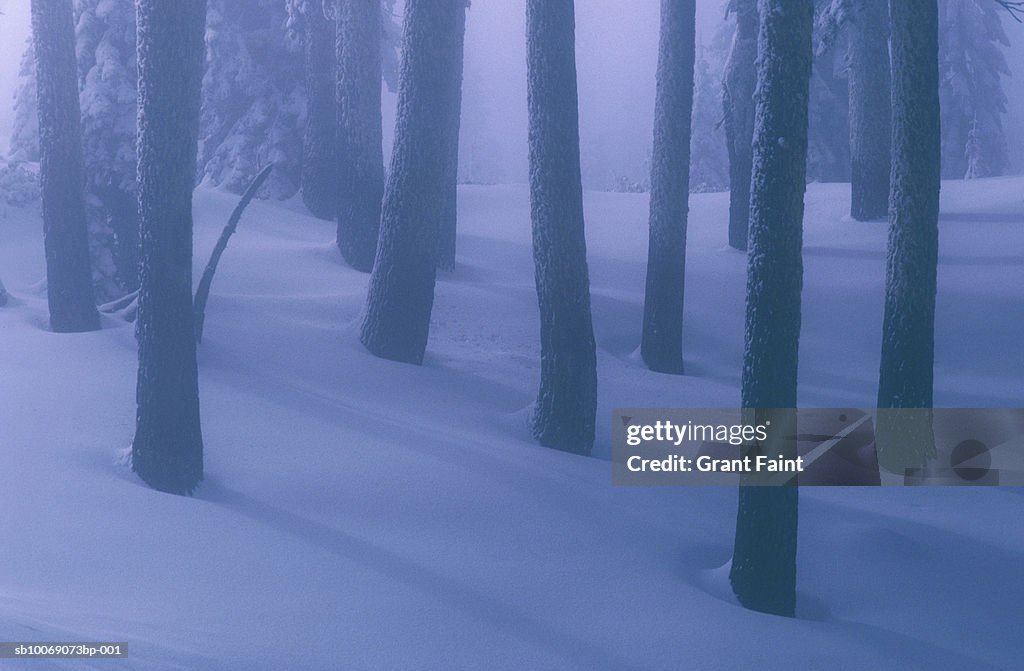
1015, 9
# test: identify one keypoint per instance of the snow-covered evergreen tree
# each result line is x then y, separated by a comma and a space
828, 146
709, 159
105, 48
24, 143
971, 67
254, 103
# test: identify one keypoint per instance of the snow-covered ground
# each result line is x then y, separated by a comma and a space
363, 514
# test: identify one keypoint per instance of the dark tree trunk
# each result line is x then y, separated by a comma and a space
360, 171
319, 158
123, 210
908, 327
870, 111
65, 234
566, 404
662, 339
168, 448
449, 215
763, 573
738, 104
401, 293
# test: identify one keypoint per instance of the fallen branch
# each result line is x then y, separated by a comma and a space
118, 304
203, 290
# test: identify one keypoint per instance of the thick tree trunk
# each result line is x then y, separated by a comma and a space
401, 293
65, 238
738, 106
566, 405
870, 111
763, 573
360, 155
449, 216
168, 448
662, 339
908, 327
319, 158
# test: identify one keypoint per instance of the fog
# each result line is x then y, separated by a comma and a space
616, 54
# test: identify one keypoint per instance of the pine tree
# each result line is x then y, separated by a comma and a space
254, 98
971, 67
167, 451
738, 106
449, 216
661, 344
401, 292
870, 110
24, 142
319, 155
69, 282
107, 80
709, 159
361, 169
828, 130
908, 331
566, 404
763, 573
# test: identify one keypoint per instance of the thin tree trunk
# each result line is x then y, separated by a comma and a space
566, 404
763, 573
70, 294
449, 216
870, 111
662, 339
167, 451
319, 156
738, 106
360, 154
401, 293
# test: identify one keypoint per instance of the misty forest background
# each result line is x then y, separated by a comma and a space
373, 115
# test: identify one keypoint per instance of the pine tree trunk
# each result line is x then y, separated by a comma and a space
738, 106
360, 154
319, 158
449, 216
662, 339
908, 327
763, 573
401, 293
167, 452
566, 405
870, 111
65, 238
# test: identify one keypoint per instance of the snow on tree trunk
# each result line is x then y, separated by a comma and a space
661, 344
870, 110
566, 404
738, 106
908, 327
68, 276
449, 216
763, 573
360, 154
319, 155
167, 452
401, 292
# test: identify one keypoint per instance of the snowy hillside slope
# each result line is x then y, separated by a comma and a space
363, 514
